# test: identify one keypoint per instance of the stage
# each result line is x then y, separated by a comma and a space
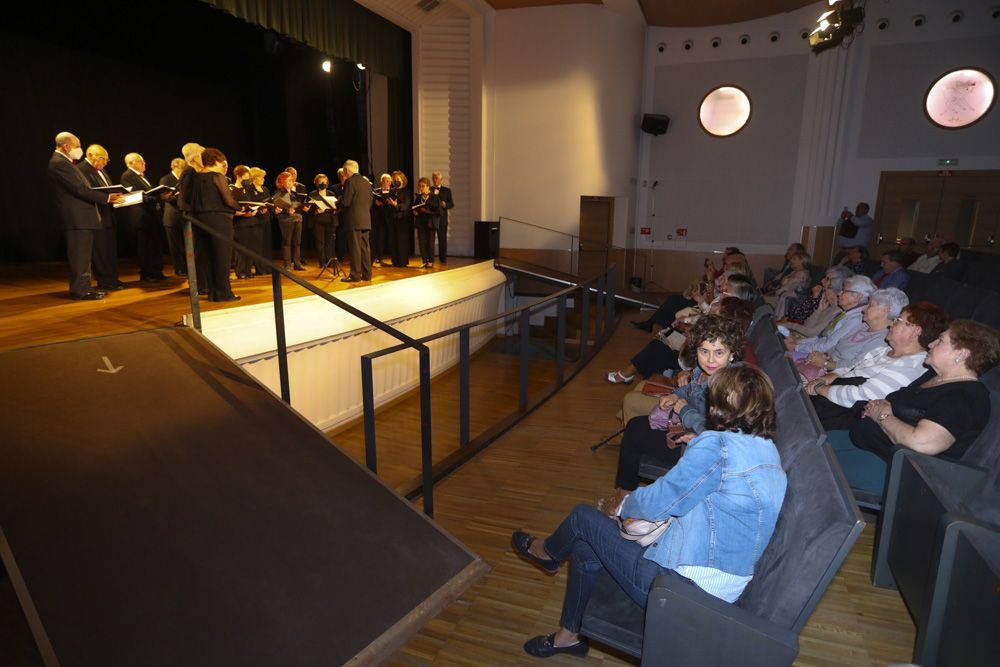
35, 307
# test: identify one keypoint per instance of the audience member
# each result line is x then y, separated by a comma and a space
908, 246
792, 287
926, 262
883, 306
772, 276
855, 230
724, 498
811, 315
892, 273
883, 370
940, 413
951, 265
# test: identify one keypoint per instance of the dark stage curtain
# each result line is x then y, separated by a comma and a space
341, 28
150, 77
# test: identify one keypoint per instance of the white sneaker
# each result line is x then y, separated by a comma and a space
615, 377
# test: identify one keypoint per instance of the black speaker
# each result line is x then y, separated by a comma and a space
655, 123
487, 239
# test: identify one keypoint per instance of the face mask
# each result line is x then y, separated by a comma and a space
76, 153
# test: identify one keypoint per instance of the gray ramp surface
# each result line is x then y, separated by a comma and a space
159, 507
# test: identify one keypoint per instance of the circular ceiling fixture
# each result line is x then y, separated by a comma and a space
959, 98
724, 111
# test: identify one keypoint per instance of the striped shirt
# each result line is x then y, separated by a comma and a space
725, 586
885, 375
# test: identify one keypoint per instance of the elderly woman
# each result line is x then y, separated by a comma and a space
205, 195
714, 343
426, 209
883, 307
772, 276
722, 501
402, 227
881, 371
793, 286
940, 413
812, 314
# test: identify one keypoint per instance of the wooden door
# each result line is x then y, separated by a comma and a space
596, 219
907, 205
961, 206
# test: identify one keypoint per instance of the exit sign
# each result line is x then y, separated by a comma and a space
645, 231
682, 231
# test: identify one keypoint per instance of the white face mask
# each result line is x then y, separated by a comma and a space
76, 153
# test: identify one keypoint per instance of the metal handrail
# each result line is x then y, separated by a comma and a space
605, 314
531, 224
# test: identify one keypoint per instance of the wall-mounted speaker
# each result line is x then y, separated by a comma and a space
655, 123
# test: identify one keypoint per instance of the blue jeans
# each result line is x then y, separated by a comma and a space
592, 539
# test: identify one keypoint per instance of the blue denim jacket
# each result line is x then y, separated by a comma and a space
696, 394
725, 493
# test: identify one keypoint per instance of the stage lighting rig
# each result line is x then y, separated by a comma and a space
837, 24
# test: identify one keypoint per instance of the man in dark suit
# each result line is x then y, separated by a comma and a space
104, 256
173, 219
355, 215
447, 203
143, 220
76, 207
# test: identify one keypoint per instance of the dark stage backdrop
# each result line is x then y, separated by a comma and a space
149, 77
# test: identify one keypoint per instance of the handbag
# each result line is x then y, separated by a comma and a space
641, 531
667, 386
848, 229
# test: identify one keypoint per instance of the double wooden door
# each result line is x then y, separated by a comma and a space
961, 206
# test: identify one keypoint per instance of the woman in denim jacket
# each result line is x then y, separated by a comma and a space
722, 498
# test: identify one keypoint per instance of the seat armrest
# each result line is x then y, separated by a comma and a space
961, 479
687, 626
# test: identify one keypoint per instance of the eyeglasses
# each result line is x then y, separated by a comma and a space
900, 320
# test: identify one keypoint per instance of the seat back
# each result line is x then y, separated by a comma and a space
985, 450
816, 529
798, 425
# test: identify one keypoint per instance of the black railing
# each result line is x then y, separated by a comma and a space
604, 315
279, 315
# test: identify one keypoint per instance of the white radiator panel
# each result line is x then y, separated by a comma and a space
326, 344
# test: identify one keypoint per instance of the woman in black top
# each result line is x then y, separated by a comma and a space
260, 229
245, 225
384, 202
940, 413
426, 207
206, 196
401, 231
324, 223
286, 207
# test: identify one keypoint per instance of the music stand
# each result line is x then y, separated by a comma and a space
337, 269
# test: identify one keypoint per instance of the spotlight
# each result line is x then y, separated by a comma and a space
327, 66
744, 39
918, 20
836, 24
716, 42
956, 16
661, 47
688, 45
882, 24
774, 37
360, 66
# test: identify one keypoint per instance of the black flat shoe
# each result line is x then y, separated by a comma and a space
543, 646
643, 326
522, 544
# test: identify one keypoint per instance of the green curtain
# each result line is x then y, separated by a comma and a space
340, 28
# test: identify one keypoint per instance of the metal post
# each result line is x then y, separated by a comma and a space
585, 321
192, 273
463, 387
279, 333
525, 332
427, 461
612, 289
368, 400
560, 339
599, 321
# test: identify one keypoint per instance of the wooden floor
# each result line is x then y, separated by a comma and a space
528, 479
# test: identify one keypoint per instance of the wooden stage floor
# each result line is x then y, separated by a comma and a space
528, 479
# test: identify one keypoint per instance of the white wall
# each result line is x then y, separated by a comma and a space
564, 115
823, 126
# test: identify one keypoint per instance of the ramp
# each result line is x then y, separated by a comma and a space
158, 506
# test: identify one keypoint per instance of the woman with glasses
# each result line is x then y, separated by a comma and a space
940, 413
882, 308
838, 396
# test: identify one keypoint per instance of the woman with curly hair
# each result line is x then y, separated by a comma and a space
713, 343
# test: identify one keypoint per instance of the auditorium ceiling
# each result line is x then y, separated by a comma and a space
683, 13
